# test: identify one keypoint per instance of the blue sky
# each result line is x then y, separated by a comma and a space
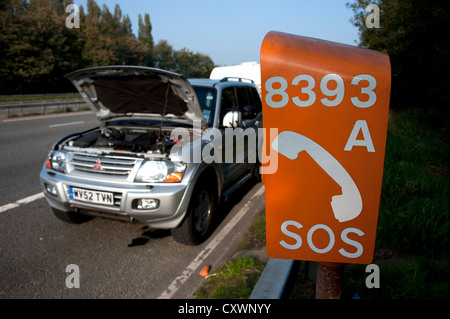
231, 31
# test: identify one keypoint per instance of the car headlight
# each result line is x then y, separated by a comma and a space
161, 172
57, 161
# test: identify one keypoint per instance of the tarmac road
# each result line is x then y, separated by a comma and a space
115, 259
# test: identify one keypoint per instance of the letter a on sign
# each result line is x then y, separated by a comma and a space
329, 104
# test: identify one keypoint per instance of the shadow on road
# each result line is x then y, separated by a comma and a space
147, 234
224, 208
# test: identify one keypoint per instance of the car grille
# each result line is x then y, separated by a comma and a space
117, 166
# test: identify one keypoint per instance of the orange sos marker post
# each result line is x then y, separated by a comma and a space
326, 107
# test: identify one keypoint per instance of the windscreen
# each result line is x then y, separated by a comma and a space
207, 98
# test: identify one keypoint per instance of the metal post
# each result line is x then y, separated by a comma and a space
329, 280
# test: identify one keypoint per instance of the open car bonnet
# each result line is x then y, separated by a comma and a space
116, 91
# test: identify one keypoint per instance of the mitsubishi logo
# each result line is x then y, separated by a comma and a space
97, 165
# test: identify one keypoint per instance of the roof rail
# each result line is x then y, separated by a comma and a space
226, 79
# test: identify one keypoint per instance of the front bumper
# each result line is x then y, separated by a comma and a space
173, 198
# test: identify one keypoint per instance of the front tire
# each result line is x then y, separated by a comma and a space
196, 226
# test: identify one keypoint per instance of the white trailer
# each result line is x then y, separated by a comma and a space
246, 70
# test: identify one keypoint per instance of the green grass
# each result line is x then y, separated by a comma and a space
418, 278
235, 280
237, 277
414, 206
414, 213
256, 234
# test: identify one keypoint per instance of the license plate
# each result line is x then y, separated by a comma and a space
90, 196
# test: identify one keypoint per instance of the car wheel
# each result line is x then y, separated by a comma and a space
72, 217
256, 172
196, 226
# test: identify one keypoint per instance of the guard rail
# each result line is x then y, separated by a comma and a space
274, 279
44, 106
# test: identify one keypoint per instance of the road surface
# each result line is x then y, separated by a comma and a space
115, 259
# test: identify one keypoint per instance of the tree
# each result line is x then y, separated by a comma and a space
185, 62
192, 65
36, 48
163, 55
108, 38
412, 32
145, 37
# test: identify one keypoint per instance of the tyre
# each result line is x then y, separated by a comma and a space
256, 172
72, 217
197, 224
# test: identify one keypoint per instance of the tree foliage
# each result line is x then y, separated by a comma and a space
183, 61
413, 33
37, 48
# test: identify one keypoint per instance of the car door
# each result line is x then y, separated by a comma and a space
232, 167
249, 104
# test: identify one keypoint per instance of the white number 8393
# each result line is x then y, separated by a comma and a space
337, 93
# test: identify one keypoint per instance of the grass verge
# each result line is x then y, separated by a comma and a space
414, 208
235, 280
412, 278
237, 277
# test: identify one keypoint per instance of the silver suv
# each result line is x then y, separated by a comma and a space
167, 150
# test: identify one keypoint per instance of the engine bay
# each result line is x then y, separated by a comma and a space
147, 141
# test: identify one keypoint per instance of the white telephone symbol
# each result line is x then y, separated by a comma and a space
346, 206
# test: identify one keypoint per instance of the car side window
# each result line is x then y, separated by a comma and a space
256, 99
228, 102
249, 103
207, 98
242, 95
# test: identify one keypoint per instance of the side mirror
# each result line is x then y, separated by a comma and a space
232, 119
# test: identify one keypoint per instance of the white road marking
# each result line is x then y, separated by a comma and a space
175, 285
198, 260
66, 124
22, 201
